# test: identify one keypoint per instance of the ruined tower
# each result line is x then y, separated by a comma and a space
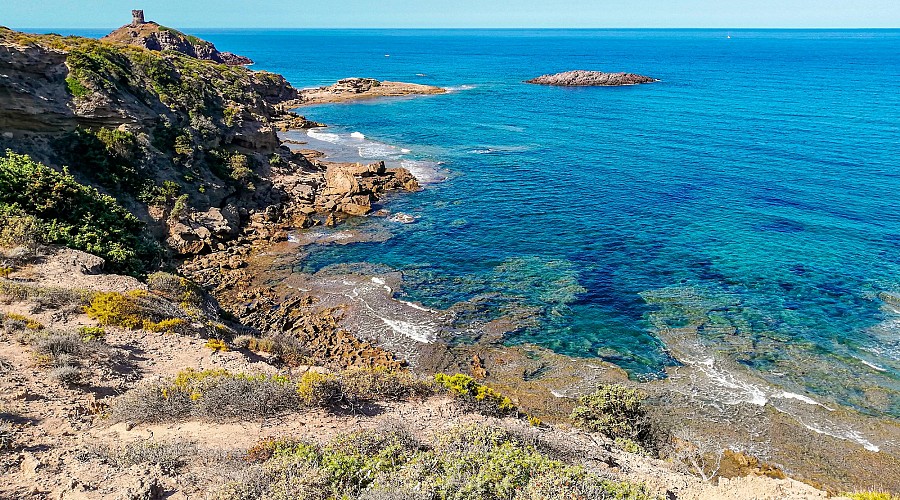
137, 17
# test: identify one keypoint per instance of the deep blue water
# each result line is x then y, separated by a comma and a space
753, 191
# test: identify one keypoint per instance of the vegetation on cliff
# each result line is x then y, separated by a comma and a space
161, 132
41, 205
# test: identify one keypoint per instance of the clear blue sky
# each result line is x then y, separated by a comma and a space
456, 13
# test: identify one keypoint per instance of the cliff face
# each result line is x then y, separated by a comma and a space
188, 145
152, 36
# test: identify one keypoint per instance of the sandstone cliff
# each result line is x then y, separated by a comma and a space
187, 145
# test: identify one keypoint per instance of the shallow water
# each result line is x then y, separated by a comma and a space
749, 195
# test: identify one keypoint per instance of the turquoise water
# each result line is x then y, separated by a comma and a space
752, 192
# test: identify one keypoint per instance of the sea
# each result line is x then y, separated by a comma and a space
743, 211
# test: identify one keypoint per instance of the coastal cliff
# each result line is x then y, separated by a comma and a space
187, 145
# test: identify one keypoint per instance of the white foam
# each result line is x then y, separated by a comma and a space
324, 136
404, 150
402, 218
800, 397
426, 172
419, 333
846, 434
417, 306
357, 135
458, 88
744, 391
377, 150
873, 366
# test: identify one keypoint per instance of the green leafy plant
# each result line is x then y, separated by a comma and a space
89, 333
615, 411
476, 396
67, 212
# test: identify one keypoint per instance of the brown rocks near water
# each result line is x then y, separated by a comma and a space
582, 78
352, 89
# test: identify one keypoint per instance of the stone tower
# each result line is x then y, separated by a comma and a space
137, 17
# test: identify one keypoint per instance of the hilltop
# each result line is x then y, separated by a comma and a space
151, 35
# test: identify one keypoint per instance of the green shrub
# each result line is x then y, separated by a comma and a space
66, 212
89, 333
476, 396
107, 157
463, 463
382, 384
20, 230
871, 495
209, 394
76, 88
614, 411
319, 389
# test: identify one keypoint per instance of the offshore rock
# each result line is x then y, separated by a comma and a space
582, 78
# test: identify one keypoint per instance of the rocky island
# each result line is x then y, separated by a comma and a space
582, 78
352, 89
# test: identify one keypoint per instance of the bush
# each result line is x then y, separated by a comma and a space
55, 345
135, 309
54, 208
286, 348
65, 353
217, 345
475, 396
382, 384
116, 309
319, 390
468, 462
212, 394
89, 333
20, 230
107, 157
614, 411
871, 495
169, 456
26, 322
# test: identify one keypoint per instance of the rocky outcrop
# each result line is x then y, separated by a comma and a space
153, 36
352, 89
591, 79
351, 188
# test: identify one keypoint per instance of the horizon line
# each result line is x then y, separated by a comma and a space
460, 28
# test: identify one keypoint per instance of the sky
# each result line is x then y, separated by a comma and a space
456, 13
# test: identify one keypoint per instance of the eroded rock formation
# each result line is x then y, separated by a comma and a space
582, 78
